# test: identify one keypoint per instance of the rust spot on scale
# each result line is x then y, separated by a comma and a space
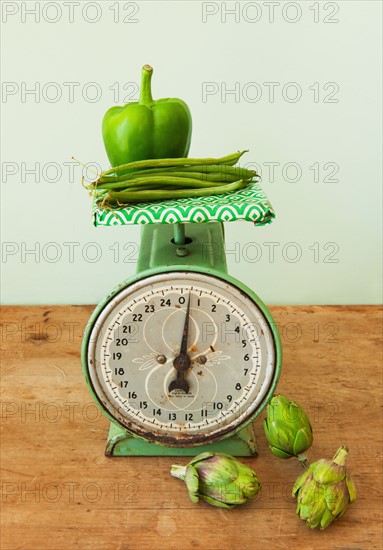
181, 438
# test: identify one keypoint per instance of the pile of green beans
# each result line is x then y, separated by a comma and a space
174, 178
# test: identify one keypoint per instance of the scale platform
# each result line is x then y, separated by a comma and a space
248, 204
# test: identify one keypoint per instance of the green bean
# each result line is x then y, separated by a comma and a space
153, 187
163, 179
238, 171
150, 163
158, 182
121, 198
235, 171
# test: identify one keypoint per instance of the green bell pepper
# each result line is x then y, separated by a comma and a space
147, 129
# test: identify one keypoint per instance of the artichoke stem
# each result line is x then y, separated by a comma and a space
341, 455
302, 458
178, 471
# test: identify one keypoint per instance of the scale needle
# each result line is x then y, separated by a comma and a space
182, 362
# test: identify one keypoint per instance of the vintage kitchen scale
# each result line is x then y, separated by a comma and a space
182, 357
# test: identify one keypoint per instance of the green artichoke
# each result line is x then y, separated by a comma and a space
324, 491
219, 479
287, 428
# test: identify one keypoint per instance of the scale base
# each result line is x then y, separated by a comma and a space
121, 443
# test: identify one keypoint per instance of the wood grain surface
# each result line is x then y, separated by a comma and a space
59, 491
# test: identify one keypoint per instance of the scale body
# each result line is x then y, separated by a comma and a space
132, 344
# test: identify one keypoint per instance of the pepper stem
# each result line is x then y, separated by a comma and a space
146, 88
341, 455
178, 471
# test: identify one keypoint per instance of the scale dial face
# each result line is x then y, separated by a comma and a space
181, 358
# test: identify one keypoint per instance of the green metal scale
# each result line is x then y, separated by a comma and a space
182, 357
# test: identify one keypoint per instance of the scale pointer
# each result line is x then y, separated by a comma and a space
182, 362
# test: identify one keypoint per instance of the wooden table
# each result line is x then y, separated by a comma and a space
59, 491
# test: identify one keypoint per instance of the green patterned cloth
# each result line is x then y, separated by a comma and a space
249, 204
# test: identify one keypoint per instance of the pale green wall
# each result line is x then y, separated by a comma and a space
185, 53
